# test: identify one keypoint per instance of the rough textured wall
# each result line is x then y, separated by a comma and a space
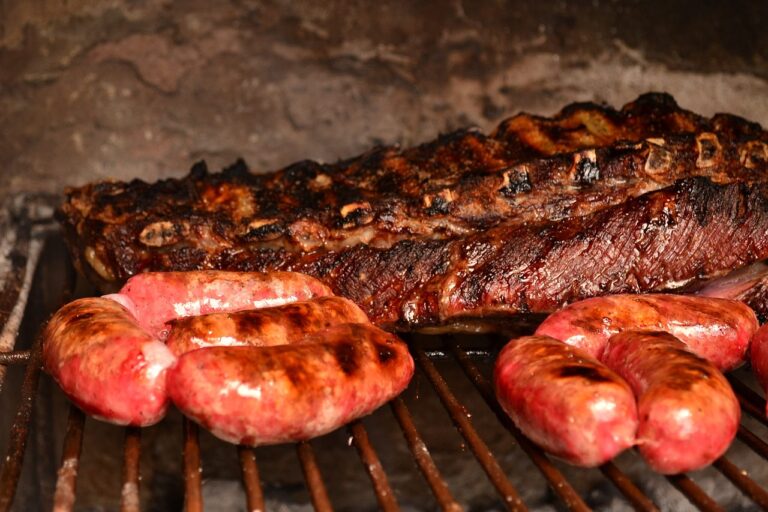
122, 89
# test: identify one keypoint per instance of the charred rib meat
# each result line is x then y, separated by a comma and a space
659, 241
540, 212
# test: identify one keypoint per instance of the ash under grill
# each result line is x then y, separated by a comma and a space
444, 444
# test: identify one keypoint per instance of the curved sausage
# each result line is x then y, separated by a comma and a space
271, 395
688, 412
758, 355
718, 330
277, 325
564, 400
158, 297
106, 363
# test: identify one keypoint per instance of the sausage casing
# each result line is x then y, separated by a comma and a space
718, 330
688, 412
286, 393
564, 400
277, 325
106, 363
158, 297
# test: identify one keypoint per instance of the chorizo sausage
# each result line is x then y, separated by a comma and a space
106, 363
271, 395
718, 330
688, 412
564, 400
158, 297
277, 325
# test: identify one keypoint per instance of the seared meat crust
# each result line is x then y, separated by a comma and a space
542, 212
659, 241
656, 242
531, 171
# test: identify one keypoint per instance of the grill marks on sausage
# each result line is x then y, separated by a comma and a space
590, 373
286, 324
689, 413
96, 318
564, 400
662, 354
285, 393
350, 353
295, 371
297, 316
254, 321
94, 348
689, 369
78, 317
348, 347
385, 353
246, 322
347, 356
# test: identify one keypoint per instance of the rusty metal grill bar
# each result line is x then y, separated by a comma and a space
13, 298
15, 357
66, 482
745, 484
254, 495
750, 439
64, 499
694, 493
749, 400
130, 500
627, 487
461, 419
372, 465
17, 283
193, 481
24, 258
11, 470
313, 477
67, 475
422, 457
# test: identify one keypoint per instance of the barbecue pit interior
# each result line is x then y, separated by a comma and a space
125, 90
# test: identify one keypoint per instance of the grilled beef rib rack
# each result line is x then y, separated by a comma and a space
458, 231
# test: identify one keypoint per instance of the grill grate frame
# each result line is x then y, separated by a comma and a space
28, 245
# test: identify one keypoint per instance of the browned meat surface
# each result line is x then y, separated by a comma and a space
458, 231
658, 241
530, 170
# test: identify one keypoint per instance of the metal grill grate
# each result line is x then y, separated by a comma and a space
28, 243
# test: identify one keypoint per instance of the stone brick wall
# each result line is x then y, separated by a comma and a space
123, 89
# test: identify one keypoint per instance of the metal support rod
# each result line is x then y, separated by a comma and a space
422, 457
193, 484
130, 501
313, 477
467, 430
66, 482
373, 467
254, 494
